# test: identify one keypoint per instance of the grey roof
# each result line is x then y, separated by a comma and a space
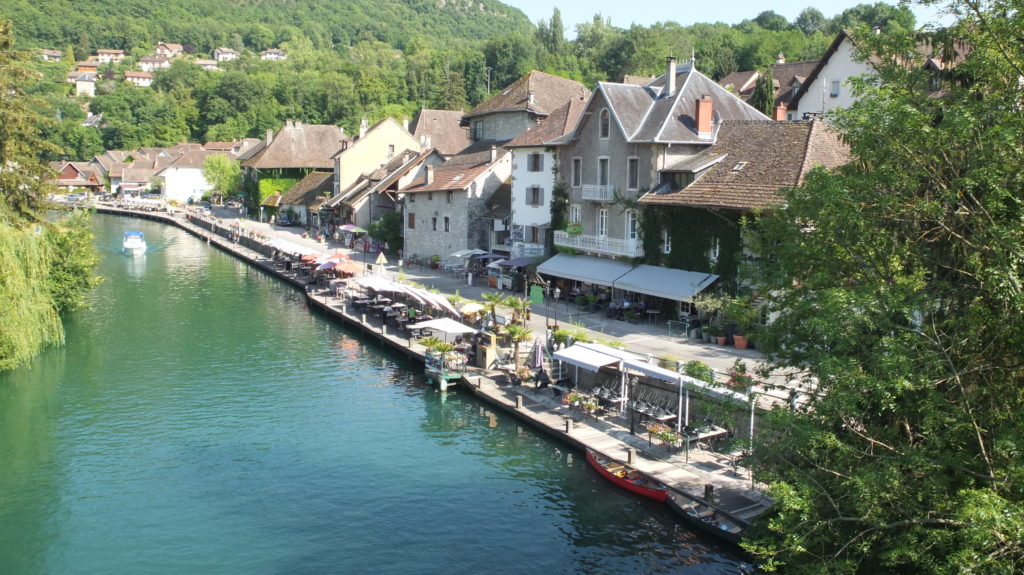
549, 93
442, 126
309, 189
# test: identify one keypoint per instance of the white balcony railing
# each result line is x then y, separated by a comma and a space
600, 244
598, 193
527, 250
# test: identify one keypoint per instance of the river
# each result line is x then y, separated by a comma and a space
200, 419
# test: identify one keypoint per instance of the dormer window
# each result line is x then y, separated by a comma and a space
739, 166
606, 123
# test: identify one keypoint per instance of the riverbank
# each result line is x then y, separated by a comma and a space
687, 472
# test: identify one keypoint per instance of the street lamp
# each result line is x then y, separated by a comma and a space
632, 405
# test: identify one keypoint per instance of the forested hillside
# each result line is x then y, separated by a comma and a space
355, 59
135, 25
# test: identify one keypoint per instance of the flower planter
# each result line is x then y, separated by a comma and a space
740, 341
721, 340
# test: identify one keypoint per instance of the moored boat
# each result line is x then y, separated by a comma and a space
707, 519
627, 476
134, 243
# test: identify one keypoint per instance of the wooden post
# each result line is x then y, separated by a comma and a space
568, 425
630, 455
709, 492
519, 402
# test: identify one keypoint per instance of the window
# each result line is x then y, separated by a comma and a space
602, 223
535, 162
447, 224
449, 196
631, 225
602, 171
677, 180
606, 123
412, 198
577, 172
575, 213
633, 173
433, 224
666, 242
412, 221
535, 196
477, 130
535, 235
835, 89
391, 151
713, 252
430, 196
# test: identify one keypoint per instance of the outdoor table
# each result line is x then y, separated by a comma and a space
652, 315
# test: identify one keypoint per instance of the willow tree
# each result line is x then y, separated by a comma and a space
45, 267
900, 287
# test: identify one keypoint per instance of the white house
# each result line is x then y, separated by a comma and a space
183, 179
533, 179
223, 54
141, 79
827, 85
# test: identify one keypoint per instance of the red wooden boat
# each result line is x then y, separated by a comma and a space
627, 476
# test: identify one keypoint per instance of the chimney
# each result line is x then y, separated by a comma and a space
494, 154
428, 177
670, 76
364, 125
529, 98
705, 112
780, 59
405, 123
780, 113
270, 136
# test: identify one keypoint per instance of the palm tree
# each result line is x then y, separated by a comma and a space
517, 334
520, 307
431, 343
494, 299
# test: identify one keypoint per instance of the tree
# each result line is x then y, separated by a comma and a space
388, 229
898, 285
223, 173
763, 97
770, 20
517, 334
494, 299
810, 21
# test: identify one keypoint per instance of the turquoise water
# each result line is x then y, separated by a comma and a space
201, 420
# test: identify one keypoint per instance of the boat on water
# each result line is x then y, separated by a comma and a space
134, 243
442, 371
706, 519
627, 476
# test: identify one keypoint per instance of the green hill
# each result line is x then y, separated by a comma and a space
136, 25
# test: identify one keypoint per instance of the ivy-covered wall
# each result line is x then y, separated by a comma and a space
693, 232
281, 184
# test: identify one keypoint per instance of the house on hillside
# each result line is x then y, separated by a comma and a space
632, 141
77, 177
208, 65
521, 105
296, 150
440, 130
169, 50
85, 83
141, 79
273, 54
52, 55
154, 63
223, 54
445, 208
109, 56
533, 180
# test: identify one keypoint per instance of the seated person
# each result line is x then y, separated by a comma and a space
542, 379
613, 309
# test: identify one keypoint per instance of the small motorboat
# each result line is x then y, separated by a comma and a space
134, 243
627, 476
707, 519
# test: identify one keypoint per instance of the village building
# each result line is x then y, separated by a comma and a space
141, 79
154, 63
51, 55
273, 54
223, 54
77, 177
105, 56
440, 130
169, 50
182, 180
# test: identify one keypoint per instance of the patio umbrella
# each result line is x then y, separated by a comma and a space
349, 267
381, 260
310, 258
352, 228
471, 308
328, 265
444, 324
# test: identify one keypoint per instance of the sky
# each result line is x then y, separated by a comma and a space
623, 13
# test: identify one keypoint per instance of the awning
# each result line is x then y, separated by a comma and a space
667, 283
586, 269
586, 358
515, 262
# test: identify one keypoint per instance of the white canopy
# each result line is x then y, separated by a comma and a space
588, 359
667, 283
444, 324
587, 269
290, 247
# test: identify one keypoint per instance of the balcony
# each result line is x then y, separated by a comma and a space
598, 193
600, 244
527, 250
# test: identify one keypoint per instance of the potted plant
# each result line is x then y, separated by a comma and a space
699, 370
743, 314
